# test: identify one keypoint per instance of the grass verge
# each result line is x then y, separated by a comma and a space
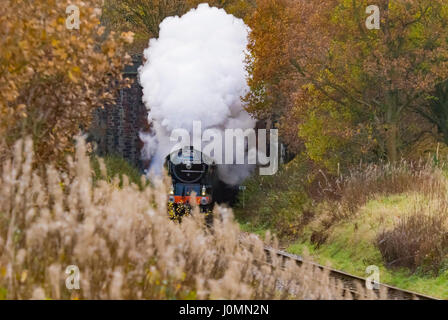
339, 222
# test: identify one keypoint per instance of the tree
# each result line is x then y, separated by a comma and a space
333, 133
378, 74
144, 16
436, 111
239, 8
51, 77
272, 78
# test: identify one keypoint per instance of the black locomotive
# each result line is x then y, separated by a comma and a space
191, 172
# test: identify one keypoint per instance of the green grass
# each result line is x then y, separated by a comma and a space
341, 257
275, 202
3, 293
350, 246
117, 167
250, 228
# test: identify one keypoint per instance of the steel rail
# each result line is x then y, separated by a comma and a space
352, 282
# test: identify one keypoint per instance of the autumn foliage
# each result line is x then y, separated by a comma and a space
143, 17
51, 77
347, 92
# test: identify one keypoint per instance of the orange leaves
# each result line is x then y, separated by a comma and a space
58, 74
21, 110
128, 37
363, 78
100, 31
269, 67
60, 53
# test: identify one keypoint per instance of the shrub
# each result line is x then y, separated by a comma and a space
341, 197
387, 179
279, 202
418, 241
124, 244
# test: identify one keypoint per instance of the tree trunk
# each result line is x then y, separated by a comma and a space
392, 117
391, 142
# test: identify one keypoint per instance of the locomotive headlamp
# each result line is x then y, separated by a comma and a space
203, 191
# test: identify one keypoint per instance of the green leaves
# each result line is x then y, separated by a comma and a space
375, 77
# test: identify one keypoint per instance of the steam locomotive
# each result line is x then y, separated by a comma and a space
191, 172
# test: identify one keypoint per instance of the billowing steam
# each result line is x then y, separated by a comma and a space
195, 71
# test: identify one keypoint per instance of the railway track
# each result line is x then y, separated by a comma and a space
351, 282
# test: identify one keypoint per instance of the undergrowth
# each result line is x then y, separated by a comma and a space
330, 216
120, 238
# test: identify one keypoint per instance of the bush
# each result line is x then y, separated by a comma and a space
305, 202
419, 241
341, 197
279, 202
387, 179
124, 244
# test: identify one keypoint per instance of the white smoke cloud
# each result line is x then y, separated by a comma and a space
195, 71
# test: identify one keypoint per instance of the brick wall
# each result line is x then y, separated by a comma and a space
115, 128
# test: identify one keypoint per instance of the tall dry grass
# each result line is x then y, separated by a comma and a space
347, 193
362, 183
124, 244
419, 240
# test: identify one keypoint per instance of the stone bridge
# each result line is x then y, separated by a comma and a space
115, 128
